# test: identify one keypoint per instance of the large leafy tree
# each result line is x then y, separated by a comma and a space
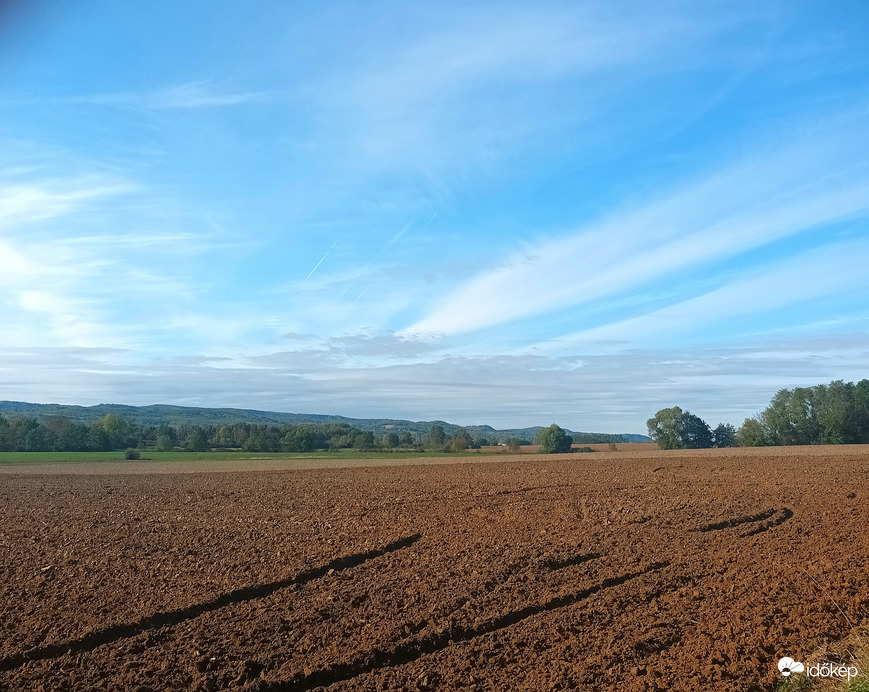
724, 435
666, 428
303, 438
553, 440
752, 434
197, 441
673, 428
695, 432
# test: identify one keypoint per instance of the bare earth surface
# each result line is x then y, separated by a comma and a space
625, 571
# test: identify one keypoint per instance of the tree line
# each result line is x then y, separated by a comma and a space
834, 413
826, 414
114, 433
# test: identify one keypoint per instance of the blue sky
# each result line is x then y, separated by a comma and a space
497, 213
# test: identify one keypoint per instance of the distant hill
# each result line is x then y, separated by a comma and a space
157, 414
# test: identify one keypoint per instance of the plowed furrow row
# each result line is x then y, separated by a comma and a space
415, 648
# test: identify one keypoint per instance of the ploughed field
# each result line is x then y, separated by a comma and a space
622, 571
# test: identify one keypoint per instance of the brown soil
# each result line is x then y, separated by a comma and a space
605, 571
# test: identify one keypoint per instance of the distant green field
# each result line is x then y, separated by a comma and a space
43, 457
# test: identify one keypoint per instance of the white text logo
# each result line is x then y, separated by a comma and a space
788, 666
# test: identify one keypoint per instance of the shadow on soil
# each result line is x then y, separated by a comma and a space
782, 517
570, 561
778, 516
173, 617
413, 649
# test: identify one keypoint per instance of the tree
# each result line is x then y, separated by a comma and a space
164, 443
553, 440
301, 438
791, 418
32, 436
99, 440
197, 441
837, 413
673, 428
119, 433
458, 444
666, 428
6, 444
695, 432
253, 442
464, 436
752, 434
390, 440
363, 440
224, 437
724, 435
72, 437
436, 436
861, 411
513, 444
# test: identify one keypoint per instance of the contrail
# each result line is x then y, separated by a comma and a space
392, 241
397, 236
361, 294
321, 260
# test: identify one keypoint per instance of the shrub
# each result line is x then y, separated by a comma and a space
457, 444
132, 454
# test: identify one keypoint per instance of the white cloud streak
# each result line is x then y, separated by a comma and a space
749, 205
833, 270
60, 288
189, 96
29, 202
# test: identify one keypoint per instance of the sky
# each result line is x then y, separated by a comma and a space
487, 213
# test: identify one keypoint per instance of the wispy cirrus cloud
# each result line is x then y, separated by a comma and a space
838, 269
448, 96
91, 288
188, 96
779, 193
26, 202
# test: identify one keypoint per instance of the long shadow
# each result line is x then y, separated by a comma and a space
729, 523
531, 489
783, 516
570, 561
413, 649
92, 640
